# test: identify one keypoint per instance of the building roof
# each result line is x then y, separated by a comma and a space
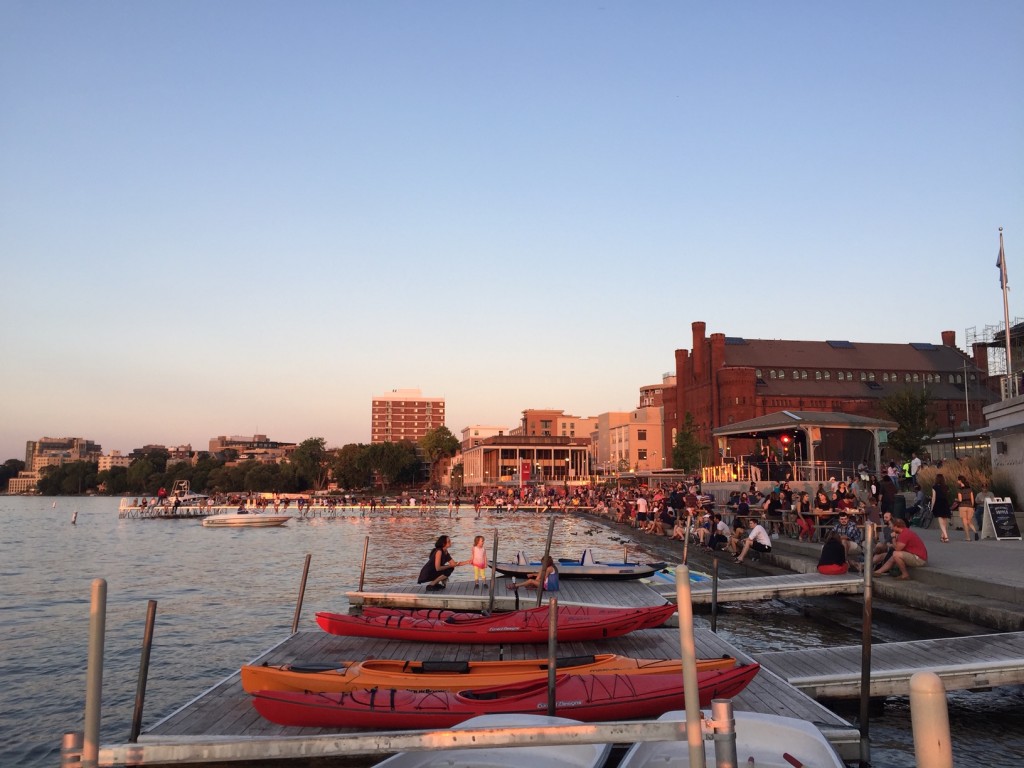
840, 355
782, 420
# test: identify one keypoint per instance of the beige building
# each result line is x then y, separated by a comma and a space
476, 434
404, 414
115, 459
57, 451
551, 423
25, 482
629, 442
518, 460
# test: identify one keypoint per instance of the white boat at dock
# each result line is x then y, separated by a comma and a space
552, 756
767, 741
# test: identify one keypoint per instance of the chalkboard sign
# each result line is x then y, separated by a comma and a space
1000, 521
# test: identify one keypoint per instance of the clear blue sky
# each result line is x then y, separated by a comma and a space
230, 217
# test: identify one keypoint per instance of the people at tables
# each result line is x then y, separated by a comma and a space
908, 551
757, 539
803, 517
832, 561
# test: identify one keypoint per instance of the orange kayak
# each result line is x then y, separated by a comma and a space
449, 675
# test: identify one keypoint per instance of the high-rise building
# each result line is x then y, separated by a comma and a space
404, 414
57, 451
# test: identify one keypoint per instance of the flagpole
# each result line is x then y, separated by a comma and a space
1011, 381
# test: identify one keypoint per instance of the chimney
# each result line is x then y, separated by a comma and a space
698, 349
949, 339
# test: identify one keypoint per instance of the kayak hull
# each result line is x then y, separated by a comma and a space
588, 698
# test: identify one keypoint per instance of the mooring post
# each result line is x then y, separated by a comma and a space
94, 673
547, 554
362, 569
302, 590
929, 718
71, 749
494, 574
865, 645
714, 592
724, 732
688, 654
140, 688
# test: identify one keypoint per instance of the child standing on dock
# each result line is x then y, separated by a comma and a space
479, 561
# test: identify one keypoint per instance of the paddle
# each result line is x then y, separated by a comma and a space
792, 760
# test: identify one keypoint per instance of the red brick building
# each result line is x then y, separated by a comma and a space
404, 414
727, 379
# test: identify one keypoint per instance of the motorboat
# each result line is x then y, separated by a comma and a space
245, 519
767, 741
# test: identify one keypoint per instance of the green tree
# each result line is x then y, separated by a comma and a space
9, 469
141, 474
68, 480
311, 460
437, 444
351, 466
114, 480
910, 409
688, 450
393, 462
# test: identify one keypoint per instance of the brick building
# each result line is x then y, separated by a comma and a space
404, 414
723, 380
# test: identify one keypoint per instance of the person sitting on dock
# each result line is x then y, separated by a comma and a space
832, 561
848, 533
548, 575
757, 540
908, 550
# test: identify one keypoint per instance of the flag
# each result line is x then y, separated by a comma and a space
1001, 263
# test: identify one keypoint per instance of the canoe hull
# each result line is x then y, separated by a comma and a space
527, 626
589, 698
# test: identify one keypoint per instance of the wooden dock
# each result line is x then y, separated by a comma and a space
770, 587
974, 662
223, 716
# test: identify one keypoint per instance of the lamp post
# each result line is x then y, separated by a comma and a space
952, 426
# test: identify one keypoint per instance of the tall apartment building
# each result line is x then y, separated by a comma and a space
404, 414
57, 451
115, 459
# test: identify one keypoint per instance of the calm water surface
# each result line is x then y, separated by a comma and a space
225, 596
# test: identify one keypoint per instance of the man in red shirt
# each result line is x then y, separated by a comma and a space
908, 550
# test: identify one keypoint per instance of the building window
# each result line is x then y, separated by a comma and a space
863, 376
817, 375
796, 375
906, 378
960, 379
871, 375
642, 454
803, 375
782, 374
773, 374
885, 377
641, 434
757, 372
917, 377
828, 375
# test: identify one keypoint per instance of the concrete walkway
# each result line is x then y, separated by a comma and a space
977, 581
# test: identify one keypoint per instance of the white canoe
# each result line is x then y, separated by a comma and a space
244, 520
562, 756
761, 740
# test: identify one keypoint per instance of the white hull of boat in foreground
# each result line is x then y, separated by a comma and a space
761, 740
560, 756
245, 520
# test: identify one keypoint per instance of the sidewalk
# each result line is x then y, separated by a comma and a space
977, 581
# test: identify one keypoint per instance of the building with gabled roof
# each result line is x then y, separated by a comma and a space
724, 380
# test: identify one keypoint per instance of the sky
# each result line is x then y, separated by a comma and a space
252, 217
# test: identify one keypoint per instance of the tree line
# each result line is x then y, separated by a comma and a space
308, 468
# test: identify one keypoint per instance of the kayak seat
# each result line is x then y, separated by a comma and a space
449, 667
314, 667
571, 661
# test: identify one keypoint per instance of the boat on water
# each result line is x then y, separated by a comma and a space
767, 741
586, 567
245, 519
525, 626
561, 756
589, 698
449, 675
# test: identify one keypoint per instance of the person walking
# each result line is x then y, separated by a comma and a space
965, 506
940, 506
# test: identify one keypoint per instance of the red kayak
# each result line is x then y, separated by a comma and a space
565, 612
590, 698
529, 626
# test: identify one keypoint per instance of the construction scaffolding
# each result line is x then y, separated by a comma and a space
993, 337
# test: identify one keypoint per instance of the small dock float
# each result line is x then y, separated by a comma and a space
962, 663
771, 587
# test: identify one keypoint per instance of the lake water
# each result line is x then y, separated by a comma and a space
225, 596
